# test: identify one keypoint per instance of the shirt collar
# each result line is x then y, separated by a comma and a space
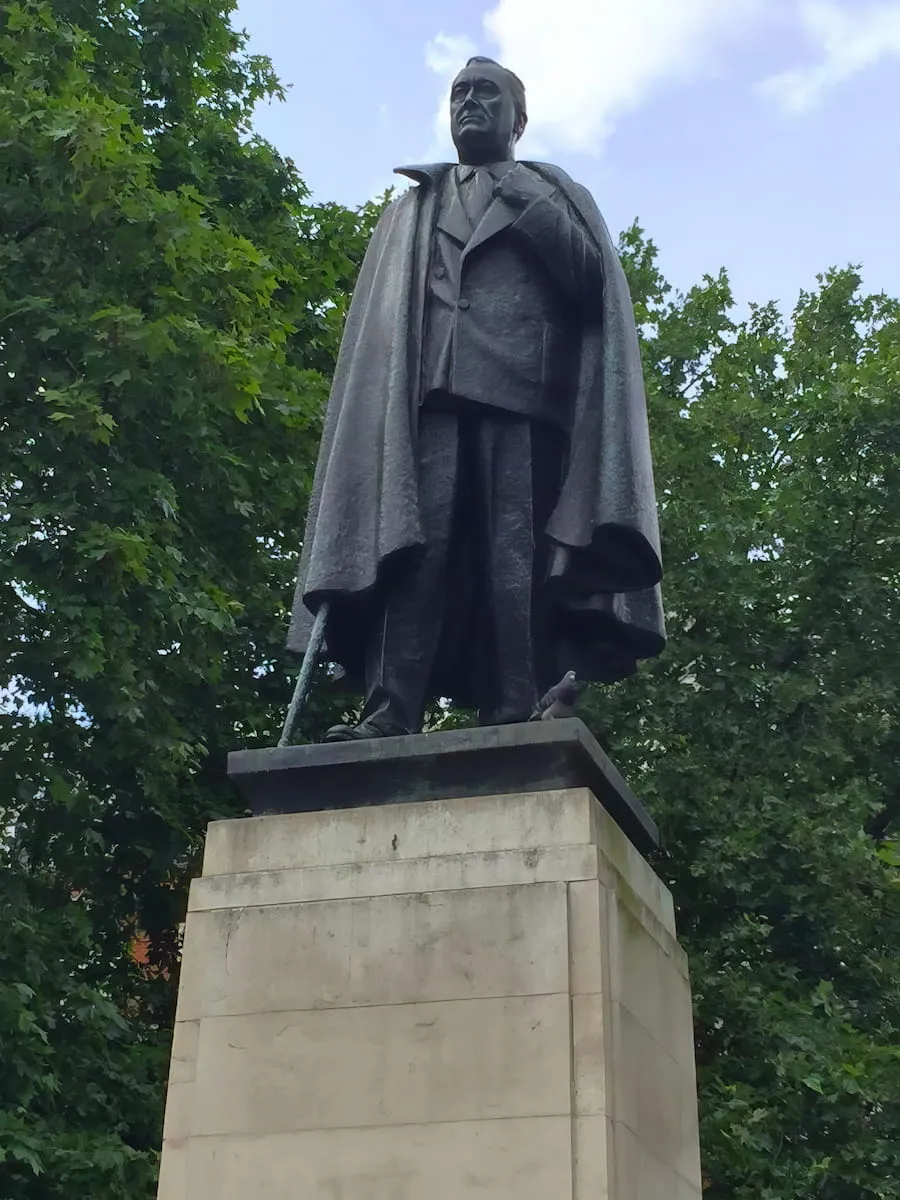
465, 171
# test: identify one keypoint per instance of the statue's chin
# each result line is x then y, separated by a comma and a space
474, 146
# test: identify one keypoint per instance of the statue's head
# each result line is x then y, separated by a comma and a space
487, 111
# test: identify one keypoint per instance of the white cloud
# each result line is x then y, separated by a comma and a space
445, 54
849, 39
588, 62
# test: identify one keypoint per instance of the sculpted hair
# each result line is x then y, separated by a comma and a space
516, 86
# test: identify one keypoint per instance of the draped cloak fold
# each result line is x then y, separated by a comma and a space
363, 530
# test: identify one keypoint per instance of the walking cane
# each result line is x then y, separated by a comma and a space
301, 690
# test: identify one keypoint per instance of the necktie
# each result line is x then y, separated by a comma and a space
476, 194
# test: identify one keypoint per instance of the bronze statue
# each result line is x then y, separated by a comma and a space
483, 516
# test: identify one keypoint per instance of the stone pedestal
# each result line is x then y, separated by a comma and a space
471, 997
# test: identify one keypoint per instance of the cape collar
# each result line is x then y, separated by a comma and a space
424, 172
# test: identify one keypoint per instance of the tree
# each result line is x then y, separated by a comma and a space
170, 304
765, 740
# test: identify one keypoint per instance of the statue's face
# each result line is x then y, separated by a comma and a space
482, 115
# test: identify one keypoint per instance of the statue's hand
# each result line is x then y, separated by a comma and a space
517, 189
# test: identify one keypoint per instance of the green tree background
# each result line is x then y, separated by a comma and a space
170, 308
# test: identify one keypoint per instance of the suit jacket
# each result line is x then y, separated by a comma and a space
363, 526
505, 301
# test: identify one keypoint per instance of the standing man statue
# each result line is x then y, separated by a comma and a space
483, 516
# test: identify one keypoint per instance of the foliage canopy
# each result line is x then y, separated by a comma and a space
766, 739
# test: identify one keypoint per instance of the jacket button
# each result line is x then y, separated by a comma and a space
463, 304
439, 272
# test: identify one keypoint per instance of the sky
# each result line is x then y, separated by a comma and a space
756, 135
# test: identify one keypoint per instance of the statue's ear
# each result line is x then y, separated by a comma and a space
521, 122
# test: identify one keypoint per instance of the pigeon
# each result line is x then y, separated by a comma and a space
560, 701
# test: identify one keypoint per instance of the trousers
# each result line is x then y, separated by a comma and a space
473, 606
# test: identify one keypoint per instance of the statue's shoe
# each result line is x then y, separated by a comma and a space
365, 729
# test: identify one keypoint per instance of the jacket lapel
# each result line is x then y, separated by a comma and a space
498, 217
453, 220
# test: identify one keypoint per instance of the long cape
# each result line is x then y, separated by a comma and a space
363, 523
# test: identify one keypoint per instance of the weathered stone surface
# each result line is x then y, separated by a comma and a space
444, 873
473, 997
532, 820
525, 1159
618, 857
593, 1162
400, 1064
406, 949
184, 1052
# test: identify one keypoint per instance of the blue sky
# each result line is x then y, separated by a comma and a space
759, 135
